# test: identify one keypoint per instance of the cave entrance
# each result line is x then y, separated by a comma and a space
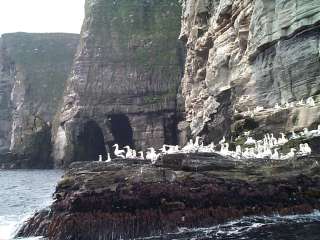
90, 143
121, 130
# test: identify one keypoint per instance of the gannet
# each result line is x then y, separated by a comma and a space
283, 140
247, 133
306, 133
277, 107
134, 153
141, 156
100, 158
197, 142
109, 158
238, 150
275, 155
307, 149
293, 135
223, 140
189, 147
258, 109
129, 151
300, 103
118, 152
152, 155
310, 102
290, 155
250, 141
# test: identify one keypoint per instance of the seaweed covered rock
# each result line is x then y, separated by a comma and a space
130, 198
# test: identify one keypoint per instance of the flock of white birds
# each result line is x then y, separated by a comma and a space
266, 148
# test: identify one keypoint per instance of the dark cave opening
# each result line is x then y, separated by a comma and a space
121, 130
90, 143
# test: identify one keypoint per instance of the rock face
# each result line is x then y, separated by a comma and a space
130, 198
34, 69
247, 53
124, 81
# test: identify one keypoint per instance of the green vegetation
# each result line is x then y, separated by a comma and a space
44, 60
139, 34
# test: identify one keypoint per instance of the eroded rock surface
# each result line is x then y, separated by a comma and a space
132, 198
247, 53
33, 72
124, 80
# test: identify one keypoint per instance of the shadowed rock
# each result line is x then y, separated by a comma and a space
130, 199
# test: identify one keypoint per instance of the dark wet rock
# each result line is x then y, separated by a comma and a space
124, 199
33, 71
125, 78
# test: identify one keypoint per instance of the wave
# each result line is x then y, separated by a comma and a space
255, 227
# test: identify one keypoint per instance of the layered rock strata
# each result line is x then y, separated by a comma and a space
34, 69
131, 198
124, 81
247, 53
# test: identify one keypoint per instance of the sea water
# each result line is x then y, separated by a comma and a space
21, 194
24, 192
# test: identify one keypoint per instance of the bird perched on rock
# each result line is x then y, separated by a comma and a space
293, 135
283, 140
300, 103
152, 155
118, 152
250, 141
275, 154
109, 158
100, 158
129, 153
310, 102
223, 140
141, 156
290, 155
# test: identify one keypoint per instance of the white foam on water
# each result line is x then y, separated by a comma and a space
7, 227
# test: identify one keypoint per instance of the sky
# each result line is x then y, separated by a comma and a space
41, 16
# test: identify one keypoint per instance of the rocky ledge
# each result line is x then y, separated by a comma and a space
127, 199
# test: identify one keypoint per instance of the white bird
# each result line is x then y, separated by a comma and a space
307, 149
197, 142
134, 153
109, 158
100, 158
247, 133
310, 102
189, 147
163, 149
152, 155
300, 103
315, 133
250, 141
223, 140
173, 149
118, 152
129, 152
294, 135
290, 155
238, 152
141, 156
275, 154
277, 107
258, 109
306, 133
207, 149
225, 149
283, 140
